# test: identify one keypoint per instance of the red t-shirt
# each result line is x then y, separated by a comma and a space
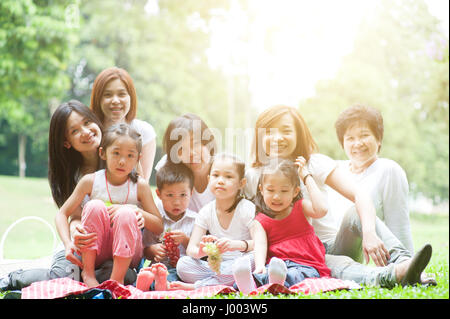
293, 238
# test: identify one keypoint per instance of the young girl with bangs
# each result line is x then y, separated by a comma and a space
114, 211
294, 252
230, 222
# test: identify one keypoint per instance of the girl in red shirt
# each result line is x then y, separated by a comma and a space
294, 252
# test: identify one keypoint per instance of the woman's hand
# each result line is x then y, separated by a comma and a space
71, 249
374, 248
82, 239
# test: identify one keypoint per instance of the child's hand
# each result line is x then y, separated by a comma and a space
159, 252
112, 212
302, 170
260, 269
206, 239
179, 238
140, 219
225, 244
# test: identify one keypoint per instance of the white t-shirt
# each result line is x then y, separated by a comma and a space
386, 183
238, 229
320, 166
198, 200
185, 224
147, 131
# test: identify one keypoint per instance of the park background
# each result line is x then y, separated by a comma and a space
227, 60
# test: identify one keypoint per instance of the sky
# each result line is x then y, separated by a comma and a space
307, 44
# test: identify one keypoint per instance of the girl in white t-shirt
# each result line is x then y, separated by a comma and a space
230, 222
114, 100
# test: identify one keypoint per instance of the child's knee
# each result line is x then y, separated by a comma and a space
125, 216
94, 209
184, 266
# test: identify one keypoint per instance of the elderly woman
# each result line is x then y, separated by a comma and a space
360, 131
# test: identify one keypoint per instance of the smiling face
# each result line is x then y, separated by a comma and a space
115, 102
278, 193
224, 179
121, 157
193, 153
280, 139
82, 134
360, 144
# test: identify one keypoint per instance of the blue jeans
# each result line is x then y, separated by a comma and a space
344, 255
295, 274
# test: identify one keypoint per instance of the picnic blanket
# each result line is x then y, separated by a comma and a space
64, 287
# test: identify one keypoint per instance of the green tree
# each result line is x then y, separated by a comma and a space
399, 65
35, 43
164, 52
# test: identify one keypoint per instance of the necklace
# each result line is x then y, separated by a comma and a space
109, 195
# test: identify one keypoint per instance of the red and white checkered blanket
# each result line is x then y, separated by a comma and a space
62, 287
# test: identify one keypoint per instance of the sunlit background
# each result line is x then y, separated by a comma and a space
227, 60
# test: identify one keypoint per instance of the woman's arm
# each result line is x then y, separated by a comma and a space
83, 188
394, 191
81, 238
146, 162
152, 218
373, 247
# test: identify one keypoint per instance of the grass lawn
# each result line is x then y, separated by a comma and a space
31, 239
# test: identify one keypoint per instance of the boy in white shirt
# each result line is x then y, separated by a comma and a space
174, 184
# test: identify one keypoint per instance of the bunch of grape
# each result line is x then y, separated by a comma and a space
173, 252
214, 256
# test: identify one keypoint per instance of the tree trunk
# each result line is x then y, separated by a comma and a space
22, 150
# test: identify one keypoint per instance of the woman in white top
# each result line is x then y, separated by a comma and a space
114, 100
360, 132
189, 141
281, 132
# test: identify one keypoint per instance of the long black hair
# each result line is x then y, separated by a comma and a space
64, 163
288, 169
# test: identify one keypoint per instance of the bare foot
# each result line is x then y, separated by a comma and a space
145, 279
179, 285
89, 279
160, 272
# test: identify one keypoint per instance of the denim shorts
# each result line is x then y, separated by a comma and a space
295, 274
